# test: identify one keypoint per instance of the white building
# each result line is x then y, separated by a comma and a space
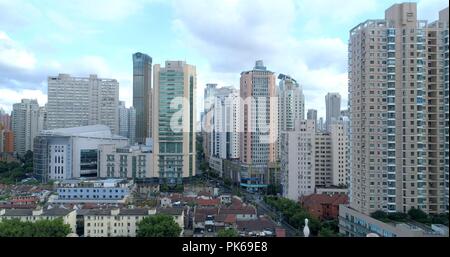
24, 215
71, 152
298, 160
127, 122
225, 123
125, 162
82, 101
27, 121
122, 222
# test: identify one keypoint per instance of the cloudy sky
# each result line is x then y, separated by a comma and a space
303, 38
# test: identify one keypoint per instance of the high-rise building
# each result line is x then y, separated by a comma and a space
320, 124
443, 44
312, 115
142, 96
82, 101
207, 119
396, 93
6, 141
26, 125
174, 109
5, 119
297, 162
333, 109
226, 124
311, 159
259, 126
291, 105
127, 122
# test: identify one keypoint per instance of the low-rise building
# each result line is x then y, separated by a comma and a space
355, 224
134, 162
70, 153
323, 206
68, 216
113, 222
92, 191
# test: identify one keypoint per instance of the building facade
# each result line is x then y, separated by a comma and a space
126, 162
174, 109
333, 109
298, 164
25, 124
258, 115
71, 152
396, 91
142, 96
82, 101
127, 122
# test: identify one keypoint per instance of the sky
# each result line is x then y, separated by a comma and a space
301, 38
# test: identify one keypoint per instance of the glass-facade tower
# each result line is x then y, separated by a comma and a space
142, 95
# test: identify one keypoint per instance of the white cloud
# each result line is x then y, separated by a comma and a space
12, 55
17, 13
233, 34
429, 9
8, 97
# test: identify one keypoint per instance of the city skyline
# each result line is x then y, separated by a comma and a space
317, 47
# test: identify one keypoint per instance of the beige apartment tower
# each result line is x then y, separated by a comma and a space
397, 112
258, 125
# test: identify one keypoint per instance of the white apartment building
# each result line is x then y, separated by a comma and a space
122, 222
125, 162
311, 159
68, 153
82, 101
298, 160
27, 121
69, 217
225, 123
291, 105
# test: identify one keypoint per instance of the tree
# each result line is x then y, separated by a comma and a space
159, 225
230, 232
326, 232
379, 215
418, 215
398, 216
40, 228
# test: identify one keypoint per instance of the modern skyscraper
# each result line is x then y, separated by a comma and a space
174, 109
127, 122
259, 125
25, 124
82, 101
333, 109
142, 96
396, 90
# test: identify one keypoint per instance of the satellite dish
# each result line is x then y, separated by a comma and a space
306, 229
372, 235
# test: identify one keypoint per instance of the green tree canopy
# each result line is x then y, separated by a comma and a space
40, 228
230, 232
159, 225
418, 215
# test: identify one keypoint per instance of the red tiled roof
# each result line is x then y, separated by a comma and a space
280, 232
208, 202
230, 219
239, 210
323, 199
